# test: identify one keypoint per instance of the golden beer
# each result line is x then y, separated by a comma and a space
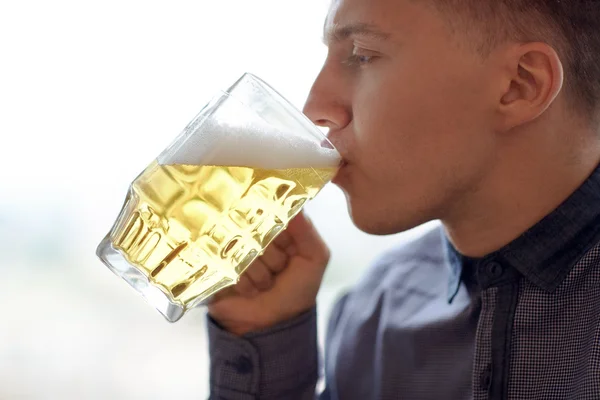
192, 230
211, 202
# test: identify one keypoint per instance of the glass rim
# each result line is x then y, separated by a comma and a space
279, 97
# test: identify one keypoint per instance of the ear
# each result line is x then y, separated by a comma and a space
533, 78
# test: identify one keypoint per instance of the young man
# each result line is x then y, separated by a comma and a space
482, 114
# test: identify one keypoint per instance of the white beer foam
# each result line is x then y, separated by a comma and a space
250, 146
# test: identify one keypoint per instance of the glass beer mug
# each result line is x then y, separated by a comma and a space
212, 201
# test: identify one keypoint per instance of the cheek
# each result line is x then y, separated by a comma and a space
413, 131
386, 129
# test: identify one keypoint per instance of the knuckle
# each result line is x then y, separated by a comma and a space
323, 254
260, 277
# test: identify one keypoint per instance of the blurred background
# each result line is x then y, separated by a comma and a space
90, 92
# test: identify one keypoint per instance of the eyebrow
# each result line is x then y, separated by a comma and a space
338, 33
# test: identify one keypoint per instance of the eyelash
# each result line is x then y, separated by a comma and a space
358, 59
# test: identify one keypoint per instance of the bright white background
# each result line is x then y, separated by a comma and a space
90, 92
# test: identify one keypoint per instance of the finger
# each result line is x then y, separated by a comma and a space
223, 294
306, 239
260, 275
284, 240
291, 251
274, 259
245, 287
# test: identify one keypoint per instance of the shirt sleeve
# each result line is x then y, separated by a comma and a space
279, 363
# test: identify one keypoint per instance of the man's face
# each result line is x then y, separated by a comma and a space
407, 108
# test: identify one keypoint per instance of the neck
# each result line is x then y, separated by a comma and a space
536, 172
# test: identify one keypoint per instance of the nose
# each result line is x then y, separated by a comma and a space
327, 104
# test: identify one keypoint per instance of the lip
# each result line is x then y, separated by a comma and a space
342, 173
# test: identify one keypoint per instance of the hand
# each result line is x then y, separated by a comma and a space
279, 285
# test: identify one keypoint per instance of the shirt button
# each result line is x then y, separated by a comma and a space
485, 380
494, 270
243, 365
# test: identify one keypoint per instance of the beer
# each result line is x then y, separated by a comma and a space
193, 229
211, 202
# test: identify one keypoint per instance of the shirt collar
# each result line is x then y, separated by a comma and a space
546, 252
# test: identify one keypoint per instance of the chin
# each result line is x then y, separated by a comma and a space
375, 220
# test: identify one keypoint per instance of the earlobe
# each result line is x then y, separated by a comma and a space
534, 80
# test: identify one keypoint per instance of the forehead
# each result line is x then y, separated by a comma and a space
386, 15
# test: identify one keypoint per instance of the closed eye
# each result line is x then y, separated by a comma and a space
360, 57
357, 59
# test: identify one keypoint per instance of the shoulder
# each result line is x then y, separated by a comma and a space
410, 262
414, 270
411, 274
